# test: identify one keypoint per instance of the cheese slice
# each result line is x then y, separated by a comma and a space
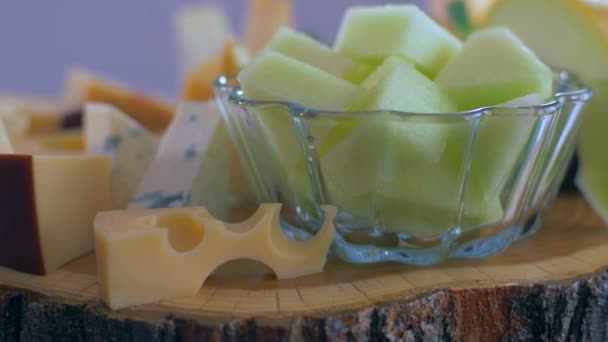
152, 112
132, 147
264, 18
194, 165
17, 123
51, 143
5, 142
151, 255
26, 115
201, 31
198, 85
47, 206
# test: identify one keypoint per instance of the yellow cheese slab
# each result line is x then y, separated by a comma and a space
59, 142
201, 29
5, 142
144, 256
152, 112
69, 191
263, 19
47, 206
15, 121
198, 85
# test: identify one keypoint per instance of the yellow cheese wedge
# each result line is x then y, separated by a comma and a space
263, 19
234, 57
28, 115
152, 112
149, 255
47, 206
51, 143
600, 16
16, 122
198, 85
201, 30
5, 142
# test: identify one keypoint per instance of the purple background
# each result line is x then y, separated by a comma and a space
130, 40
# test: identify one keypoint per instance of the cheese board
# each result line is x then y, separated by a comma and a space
549, 286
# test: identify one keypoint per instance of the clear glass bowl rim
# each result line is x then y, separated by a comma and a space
567, 80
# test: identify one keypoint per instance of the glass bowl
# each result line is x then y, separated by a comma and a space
413, 188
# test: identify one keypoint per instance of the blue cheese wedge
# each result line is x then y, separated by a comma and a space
193, 166
132, 147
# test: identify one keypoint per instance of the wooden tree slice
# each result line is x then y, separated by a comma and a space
553, 286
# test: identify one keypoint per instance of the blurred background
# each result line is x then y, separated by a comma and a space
129, 40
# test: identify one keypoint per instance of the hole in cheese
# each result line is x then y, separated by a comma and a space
185, 233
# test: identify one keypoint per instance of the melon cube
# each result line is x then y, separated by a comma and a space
500, 142
276, 77
306, 49
372, 33
493, 67
376, 147
397, 85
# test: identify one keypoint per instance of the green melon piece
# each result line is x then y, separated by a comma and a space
593, 167
570, 38
306, 49
374, 148
493, 67
429, 194
397, 85
372, 33
277, 77
567, 36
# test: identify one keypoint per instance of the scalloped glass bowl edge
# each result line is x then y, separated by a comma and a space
401, 206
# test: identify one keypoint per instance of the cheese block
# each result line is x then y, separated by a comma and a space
47, 206
151, 255
194, 165
132, 147
5, 142
198, 85
51, 143
16, 123
235, 56
28, 115
264, 18
201, 30
152, 112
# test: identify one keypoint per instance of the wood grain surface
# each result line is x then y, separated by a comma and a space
553, 286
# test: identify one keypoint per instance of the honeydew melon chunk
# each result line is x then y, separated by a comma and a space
306, 49
276, 77
397, 85
372, 33
375, 149
493, 67
399, 214
593, 159
500, 141
567, 36
571, 35
427, 189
